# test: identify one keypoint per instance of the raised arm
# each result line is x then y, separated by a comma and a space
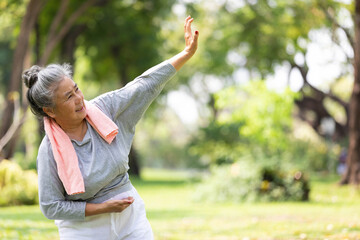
128, 104
191, 43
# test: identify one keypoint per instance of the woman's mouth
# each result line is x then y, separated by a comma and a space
81, 109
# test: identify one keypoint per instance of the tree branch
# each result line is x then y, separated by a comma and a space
17, 122
58, 18
337, 24
315, 104
321, 94
64, 30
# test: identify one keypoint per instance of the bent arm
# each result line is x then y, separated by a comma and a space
108, 207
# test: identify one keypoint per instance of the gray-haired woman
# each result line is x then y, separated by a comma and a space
83, 180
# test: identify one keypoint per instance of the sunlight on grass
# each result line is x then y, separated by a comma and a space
25, 222
332, 213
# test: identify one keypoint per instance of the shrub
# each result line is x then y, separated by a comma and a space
246, 181
16, 185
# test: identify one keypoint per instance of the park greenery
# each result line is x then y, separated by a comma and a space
175, 214
16, 185
254, 141
252, 138
240, 122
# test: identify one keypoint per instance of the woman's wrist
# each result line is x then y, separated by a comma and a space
95, 208
180, 59
188, 53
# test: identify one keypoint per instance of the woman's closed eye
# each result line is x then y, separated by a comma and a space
70, 95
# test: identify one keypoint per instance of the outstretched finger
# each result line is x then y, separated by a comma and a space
188, 26
186, 20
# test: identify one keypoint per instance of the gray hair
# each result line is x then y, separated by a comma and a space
42, 83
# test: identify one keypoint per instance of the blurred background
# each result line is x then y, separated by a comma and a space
262, 114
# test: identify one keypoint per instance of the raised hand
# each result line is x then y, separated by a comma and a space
191, 41
191, 44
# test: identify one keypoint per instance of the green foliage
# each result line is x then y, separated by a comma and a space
266, 33
5, 62
311, 156
250, 141
126, 37
162, 145
11, 13
257, 122
266, 114
17, 187
251, 120
251, 181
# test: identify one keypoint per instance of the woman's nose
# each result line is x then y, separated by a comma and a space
78, 98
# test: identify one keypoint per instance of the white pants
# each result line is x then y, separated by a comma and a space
130, 224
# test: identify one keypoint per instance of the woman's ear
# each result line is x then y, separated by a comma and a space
49, 112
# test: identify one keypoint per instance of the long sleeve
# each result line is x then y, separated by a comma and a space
51, 191
127, 105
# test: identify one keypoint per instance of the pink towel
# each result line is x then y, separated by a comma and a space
64, 152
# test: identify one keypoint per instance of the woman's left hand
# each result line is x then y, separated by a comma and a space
191, 41
191, 44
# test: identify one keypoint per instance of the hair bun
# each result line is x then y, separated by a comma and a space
30, 76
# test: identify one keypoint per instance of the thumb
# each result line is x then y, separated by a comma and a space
196, 35
195, 38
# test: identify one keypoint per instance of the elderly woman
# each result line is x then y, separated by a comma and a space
83, 159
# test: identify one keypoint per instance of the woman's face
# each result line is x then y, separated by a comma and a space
69, 104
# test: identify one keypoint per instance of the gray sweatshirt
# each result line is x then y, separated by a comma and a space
103, 166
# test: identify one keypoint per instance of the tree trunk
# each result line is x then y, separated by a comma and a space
56, 36
28, 24
33, 10
133, 157
68, 45
352, 173
134, 162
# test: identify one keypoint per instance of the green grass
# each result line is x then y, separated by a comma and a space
332, 213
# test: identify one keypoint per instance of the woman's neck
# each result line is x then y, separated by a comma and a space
75, 132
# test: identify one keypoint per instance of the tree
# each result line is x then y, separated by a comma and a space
256, 123
126, 38
123, 35
261, 35
270, 35
28, 23
352, 174
55, 35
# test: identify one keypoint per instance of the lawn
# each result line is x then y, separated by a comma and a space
332, 213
